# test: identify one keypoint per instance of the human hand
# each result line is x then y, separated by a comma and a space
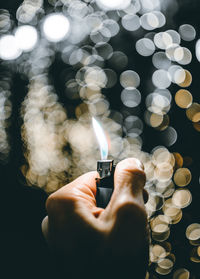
100, 243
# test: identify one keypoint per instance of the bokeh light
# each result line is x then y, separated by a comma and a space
9, 48
145, 47
26, 37
56, 27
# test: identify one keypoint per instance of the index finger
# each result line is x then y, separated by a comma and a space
80, 193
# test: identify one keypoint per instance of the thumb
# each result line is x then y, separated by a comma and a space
126, 219
129, 181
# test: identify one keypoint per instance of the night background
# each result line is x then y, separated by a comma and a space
49, 94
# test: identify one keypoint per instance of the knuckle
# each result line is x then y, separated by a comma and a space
131, 164
57, 202
127, 211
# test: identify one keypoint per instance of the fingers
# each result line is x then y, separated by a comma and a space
125, 215
74, 202
77, 199
129, 180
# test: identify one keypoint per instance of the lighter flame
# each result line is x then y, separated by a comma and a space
103, 144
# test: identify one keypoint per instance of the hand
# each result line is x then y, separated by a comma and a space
100, 243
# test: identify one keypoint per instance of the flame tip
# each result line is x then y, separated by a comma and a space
101, 138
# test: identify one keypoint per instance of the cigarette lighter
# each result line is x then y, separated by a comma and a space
105, 182
105, 168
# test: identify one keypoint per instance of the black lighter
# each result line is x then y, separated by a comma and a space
105, 182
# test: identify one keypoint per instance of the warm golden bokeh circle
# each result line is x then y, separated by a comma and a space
183, 98
182, 177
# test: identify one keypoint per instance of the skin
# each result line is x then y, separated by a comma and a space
96, 242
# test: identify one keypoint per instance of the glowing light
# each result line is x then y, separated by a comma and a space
56, 27
101, 138
182, 198
183, 98
131, 97
182, 177
113, 4
161, 79
198, 50
193, 231
129, 79
9, 48
145, 47
187, 32
131, 22
26, 37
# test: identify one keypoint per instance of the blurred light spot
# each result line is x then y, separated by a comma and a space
197, 50
159, 251
129, 79
90, 92
26, 37
109, 28
160, 224
9, 48
145, 47
131, 22
56, 27
161, 18
131, 97
193, 231
165, 265
113, 4
28, 10
99, 107
179, 76
181, 273
187, 32
182, 177
173, 212
150, 5
161, 154
188, 79
155, 201
169, 136
95, 75
78, 9
160, 231
161, 61
161, 79
195, 255
176, 73
193, 112
152, 119
175, 36
163, 171
165, 188
81, 110
182, 198
170, 50
5, 22
178, 160
183, 98
182, 55
149, 21
163, 40
133, 126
